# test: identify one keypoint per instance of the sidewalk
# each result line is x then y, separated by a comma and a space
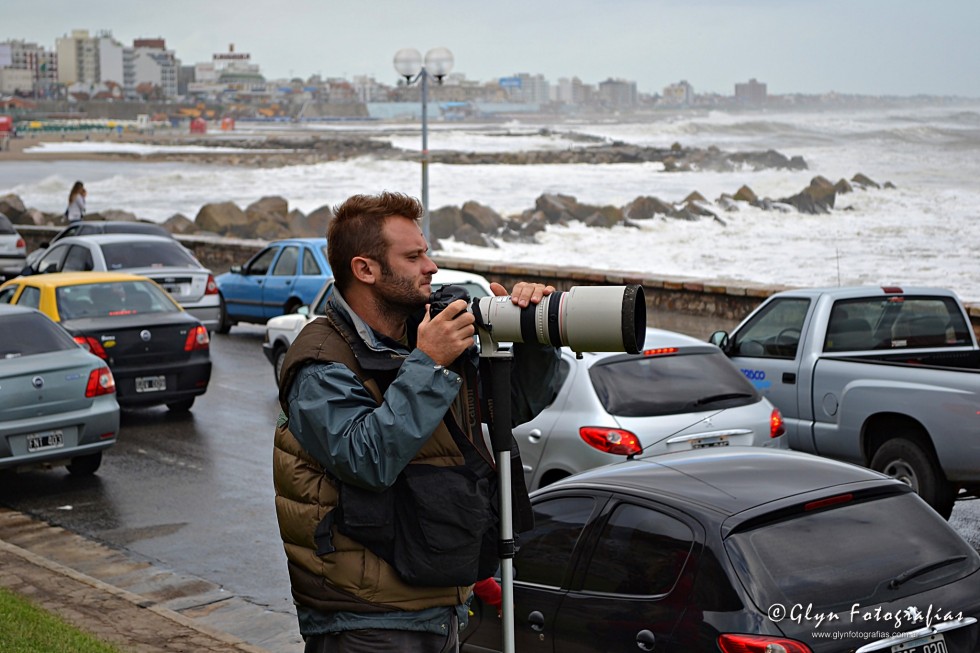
138, 607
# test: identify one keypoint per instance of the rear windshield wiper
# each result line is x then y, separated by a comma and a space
710, 399
906, 576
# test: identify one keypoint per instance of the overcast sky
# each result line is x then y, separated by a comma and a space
878, 47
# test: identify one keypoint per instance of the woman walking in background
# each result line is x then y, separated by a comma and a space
76, 202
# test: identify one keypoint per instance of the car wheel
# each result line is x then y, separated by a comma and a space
85, 465
224, 325
181, 406
279, 357
908, 462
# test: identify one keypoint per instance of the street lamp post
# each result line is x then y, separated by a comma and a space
409, 64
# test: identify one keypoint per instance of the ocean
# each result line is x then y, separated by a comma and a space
925, 231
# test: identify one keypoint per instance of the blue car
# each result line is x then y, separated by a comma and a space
285, 275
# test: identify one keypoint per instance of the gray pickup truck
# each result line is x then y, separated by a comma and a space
887, 378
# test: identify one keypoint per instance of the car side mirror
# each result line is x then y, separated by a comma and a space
719, 339
236, 269
303, 310
52, 266
43, 244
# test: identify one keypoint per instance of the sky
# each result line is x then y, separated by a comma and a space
873, 47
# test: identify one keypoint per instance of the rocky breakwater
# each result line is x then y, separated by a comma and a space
480, 225
270, 218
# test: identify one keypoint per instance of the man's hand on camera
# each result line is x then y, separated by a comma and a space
524, 294
448, 334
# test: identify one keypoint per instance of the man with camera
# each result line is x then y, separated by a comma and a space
385, 489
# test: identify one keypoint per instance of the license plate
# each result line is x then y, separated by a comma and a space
151, 383
48, 440
178, 289
931, 644
707, 443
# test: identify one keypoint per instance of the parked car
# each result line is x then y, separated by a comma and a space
158, 353
13, 249
282, 330
737, 550
90, 227
679, 394
162, 259
285, 275
57, 401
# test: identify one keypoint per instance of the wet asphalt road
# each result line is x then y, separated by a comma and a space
193, 492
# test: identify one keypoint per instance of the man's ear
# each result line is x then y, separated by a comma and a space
365, 270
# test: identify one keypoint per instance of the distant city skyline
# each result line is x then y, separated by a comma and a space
872, 47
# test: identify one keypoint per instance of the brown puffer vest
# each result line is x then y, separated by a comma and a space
351, 578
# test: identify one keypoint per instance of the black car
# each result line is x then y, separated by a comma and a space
747, 550
158, 353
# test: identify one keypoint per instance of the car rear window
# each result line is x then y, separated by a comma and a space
870, 542
668, 384
6, 227
137, 254
111, 299
36, 334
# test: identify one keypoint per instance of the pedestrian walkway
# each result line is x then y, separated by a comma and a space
131, 603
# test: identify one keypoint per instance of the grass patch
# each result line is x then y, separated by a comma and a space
28, 629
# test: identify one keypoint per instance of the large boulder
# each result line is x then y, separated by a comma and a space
318, 221
271, 207
180, 224
606, 216
13, 207
486, 220
746, 194
117, 215
818, 197
444, 221
555, 207
646, 207
470, 235
863, 181
221, 218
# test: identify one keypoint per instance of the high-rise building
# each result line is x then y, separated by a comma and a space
751, 93
618, 93
680, 94
150, 69
89, 60
26, 68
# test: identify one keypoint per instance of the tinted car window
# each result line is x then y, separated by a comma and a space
30, 297
644, 386
641, 552
321, 307
119, 256
115, 298
545, 552
260, 264
79, 259
51, 261
6, 227
286, 264
782, 561
896, 322
36, 335
310, 266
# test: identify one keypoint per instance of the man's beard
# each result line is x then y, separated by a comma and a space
398, 295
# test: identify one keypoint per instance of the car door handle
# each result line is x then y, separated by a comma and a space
536, 619
789, 378
646, 640
534, 435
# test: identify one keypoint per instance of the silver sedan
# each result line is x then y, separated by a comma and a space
679, 394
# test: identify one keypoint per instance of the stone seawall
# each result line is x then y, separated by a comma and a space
694, 307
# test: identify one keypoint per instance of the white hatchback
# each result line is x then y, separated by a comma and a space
280, 331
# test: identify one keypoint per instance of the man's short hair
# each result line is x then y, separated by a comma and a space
356, 230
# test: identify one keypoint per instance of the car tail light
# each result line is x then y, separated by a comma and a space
92, 345
830, 501
197, 338
212, 287
776, 425
760, 644
21, 243
100, 382
891, 290
607, 440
